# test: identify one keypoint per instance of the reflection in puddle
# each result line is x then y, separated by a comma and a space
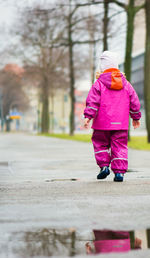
107, 241
54, 242
46, 242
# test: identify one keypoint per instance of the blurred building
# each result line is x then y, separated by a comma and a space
18, 120
29, 119
14, 68
139, 31
137, 74
59, 111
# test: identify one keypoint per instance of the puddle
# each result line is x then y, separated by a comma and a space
4, 163
62, 179
71, 242
5, 166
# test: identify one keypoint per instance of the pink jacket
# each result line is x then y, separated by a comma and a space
110, 101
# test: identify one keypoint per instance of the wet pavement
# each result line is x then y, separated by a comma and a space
48, 188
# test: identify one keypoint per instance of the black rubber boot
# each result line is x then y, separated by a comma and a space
103, 173
118, 177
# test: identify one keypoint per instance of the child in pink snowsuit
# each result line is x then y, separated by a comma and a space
110, 101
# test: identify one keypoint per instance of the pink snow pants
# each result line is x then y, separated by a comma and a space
110, 147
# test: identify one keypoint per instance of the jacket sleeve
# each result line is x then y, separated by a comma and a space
92, 101
134, 104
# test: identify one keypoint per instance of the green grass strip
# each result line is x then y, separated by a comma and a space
77, 137
137, 142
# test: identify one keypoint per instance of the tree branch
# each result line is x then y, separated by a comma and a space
77, 42
86, 41
115, 14
138, 8
74, 10
119, 3
92, 3
61, 45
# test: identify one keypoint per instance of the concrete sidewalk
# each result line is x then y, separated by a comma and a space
37, 193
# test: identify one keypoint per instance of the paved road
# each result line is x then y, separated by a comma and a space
38, 199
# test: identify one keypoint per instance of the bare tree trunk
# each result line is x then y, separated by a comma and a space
129, 39
45, 108
105, 25
38, 118
71, 74
63, 113
45, 116
52, 115
147, 69
129, 45
148, 233
93, 63
72, 97
91, 47
8, 125
92, 54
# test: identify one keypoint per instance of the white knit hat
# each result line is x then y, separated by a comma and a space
108, 60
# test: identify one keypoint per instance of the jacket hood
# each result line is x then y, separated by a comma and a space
113, 79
